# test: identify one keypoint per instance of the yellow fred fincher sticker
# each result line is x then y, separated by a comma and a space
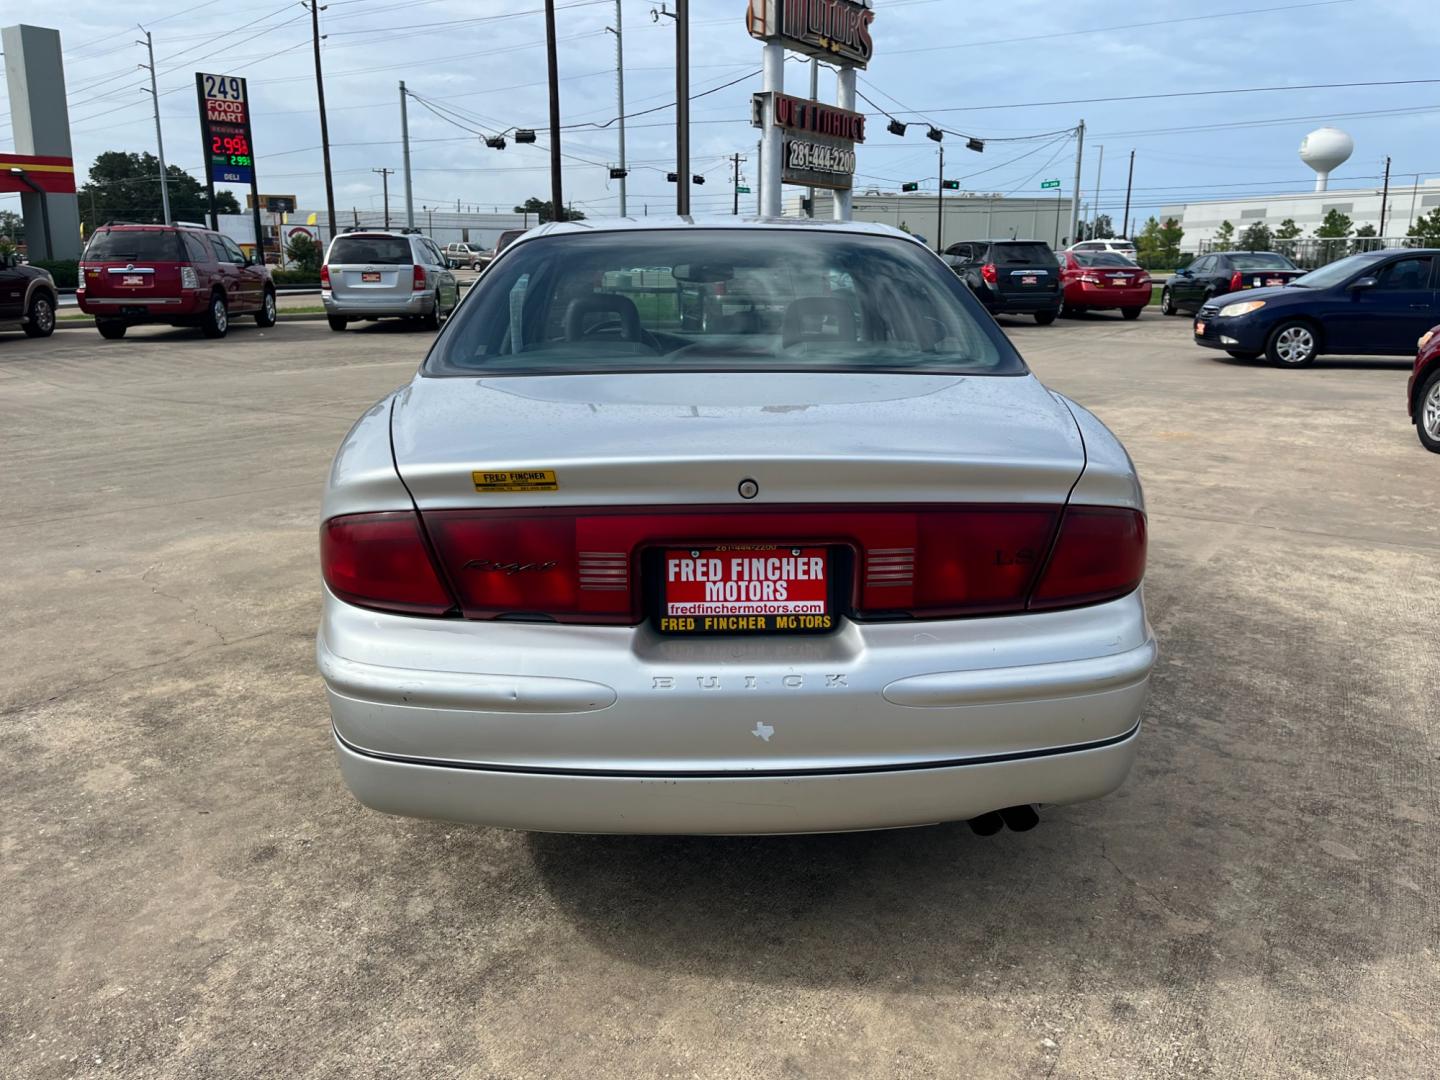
519, 480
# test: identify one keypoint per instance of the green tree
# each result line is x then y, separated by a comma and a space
1362, 234
1426, 229
1101, 228
1224, 236
1333, 231
304, 253
126, 187
1170, 236
1256, 237
12, 227
1285, 237
545, 211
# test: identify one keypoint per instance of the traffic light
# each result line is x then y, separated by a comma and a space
936, 134
978, 145
616, 174
496, 142
807, 206
910, 185
950, 185
697, 179
674, 178
895, 127
524, 135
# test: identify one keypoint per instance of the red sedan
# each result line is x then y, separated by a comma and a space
1424, 391
1099, 280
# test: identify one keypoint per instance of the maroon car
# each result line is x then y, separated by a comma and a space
182, 275
1424, 391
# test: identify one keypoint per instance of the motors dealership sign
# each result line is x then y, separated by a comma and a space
829, 29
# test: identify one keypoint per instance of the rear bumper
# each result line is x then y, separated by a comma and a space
618, 729
1090, 296
351, 306
834, 802
147, 309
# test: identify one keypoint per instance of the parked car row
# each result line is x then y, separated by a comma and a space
1025, 277
188, 275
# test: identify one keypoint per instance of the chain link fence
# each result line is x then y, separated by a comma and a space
1309, 252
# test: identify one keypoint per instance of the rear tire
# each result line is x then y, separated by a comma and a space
111, 331
1045, 318
1131, 313
40, 321
431, 319
337, 323
1427, 413
267, 316
1167, 304
216, 323
1293, 344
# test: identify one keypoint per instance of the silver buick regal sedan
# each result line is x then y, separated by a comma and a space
750, 527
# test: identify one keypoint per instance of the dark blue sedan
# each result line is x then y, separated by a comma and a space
1377, 303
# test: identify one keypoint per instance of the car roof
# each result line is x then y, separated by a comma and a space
728, 223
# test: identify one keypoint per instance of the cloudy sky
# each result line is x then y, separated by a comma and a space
1013, 74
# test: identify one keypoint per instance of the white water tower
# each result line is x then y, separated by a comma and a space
1324, 150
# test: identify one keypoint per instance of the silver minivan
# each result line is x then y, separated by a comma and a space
379, 274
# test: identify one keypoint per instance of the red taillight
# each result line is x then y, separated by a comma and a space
1235, 281
589, 565
1099, 555
381, 561
419, 281
988, 273
325, 276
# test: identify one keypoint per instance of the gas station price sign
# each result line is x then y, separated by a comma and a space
225, 128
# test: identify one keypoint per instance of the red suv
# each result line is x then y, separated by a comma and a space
1423, 392
177, 274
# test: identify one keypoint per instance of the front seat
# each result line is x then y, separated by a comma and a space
602, 303
805, 320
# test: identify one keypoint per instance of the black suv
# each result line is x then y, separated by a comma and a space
1010, 277
27, 297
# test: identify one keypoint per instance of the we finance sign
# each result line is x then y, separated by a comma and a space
830, 29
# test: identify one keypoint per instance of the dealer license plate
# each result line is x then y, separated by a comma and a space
133, 279
1199, 329
1029, 280
370, 276
745, 589
1274, 281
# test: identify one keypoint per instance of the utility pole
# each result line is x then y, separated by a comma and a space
940, 206
324, 125
814, 96
1075, 193
1099, 168
682, 107
385, 175
1129, 180
405, 146
557, 201
619, 31
735, 183
1384, 196
159, 140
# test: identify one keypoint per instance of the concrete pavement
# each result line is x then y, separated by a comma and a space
189, 891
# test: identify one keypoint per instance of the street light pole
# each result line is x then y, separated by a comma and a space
324, 125
1129, 180
682, 107
405, 148
557, 201
940, 206
159, 139
619, 31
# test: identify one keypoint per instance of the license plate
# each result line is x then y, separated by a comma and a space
1199, 328
1030, 280
133, 279
370, 276
745, 589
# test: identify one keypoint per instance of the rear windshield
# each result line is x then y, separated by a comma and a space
371, 250
720, 300
1261, 260
134, 245
1102, 258
1036, 254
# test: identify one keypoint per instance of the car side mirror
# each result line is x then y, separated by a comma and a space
1366, 282
1183, 272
